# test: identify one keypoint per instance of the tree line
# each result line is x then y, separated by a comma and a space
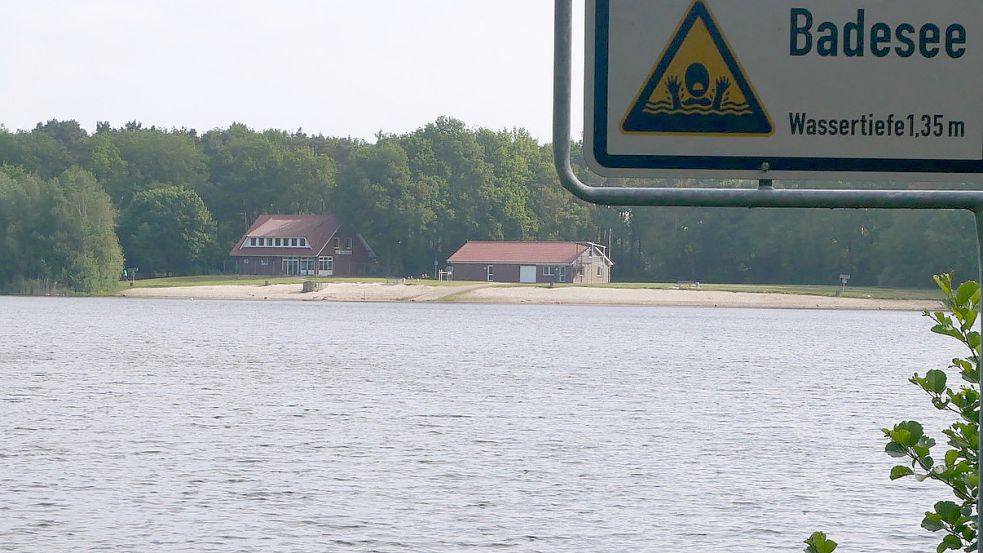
74, 205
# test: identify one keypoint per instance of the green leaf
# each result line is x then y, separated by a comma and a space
907, 433
962, 467
819, 543
949, 511
932, 522
973, 340
916, 431
944, 282
951, 457
950, 542
970, 318
901, 471
894, 449
966, 291
947, 330
902, 436
920, 452
935, 381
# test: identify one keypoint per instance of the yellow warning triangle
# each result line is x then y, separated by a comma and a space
697, 87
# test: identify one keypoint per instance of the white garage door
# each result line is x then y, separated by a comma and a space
527, 273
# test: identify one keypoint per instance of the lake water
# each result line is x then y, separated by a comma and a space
156, 425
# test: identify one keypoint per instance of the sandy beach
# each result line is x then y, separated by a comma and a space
490, 293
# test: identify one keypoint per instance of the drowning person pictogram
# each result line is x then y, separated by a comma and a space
698, 87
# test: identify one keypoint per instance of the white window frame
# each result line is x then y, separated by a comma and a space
490, 273
325, 263
547, 270
261, 242
307, 265
348, 243
289, 260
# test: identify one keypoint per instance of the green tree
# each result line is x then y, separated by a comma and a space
83, 234
70, 135
59, 233
25, 202
915, 242
166, 230
36, 151
394, 210
450, 153
107, 164
155, 156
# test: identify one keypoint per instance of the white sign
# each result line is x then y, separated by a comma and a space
811, 89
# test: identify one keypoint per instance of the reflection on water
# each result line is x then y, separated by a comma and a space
154, 425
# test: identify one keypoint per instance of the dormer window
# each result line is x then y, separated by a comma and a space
277, 242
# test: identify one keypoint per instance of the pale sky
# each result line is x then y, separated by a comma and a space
337, 67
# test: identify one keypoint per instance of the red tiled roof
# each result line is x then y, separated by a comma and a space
518, 252
317, 229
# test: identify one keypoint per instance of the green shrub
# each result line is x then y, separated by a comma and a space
958, 467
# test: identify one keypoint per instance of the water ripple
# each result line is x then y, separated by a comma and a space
237, 426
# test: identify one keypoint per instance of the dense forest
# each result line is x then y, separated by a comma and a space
75, 205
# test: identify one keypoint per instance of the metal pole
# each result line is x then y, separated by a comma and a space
979, 496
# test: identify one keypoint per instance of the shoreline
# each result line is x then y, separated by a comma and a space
482, 293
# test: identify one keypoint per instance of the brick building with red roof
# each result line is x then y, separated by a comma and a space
314, 245
577, 262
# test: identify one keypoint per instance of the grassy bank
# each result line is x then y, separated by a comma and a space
863, 292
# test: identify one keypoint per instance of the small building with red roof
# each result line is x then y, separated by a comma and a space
303, 245
532, 262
